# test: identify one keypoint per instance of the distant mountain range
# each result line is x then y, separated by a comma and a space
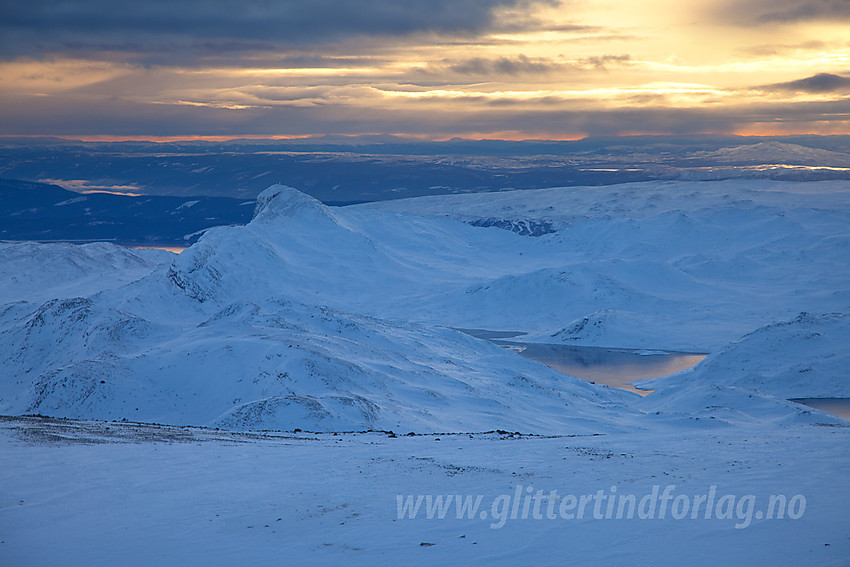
183, 188
342, 171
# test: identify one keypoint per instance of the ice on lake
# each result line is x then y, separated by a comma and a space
615, 367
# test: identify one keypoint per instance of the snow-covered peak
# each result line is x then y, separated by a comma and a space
281, 201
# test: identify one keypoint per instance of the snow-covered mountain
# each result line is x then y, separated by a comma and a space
215, 338
337, 318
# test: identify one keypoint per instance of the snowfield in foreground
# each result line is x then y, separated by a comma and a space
332, 320
107, 493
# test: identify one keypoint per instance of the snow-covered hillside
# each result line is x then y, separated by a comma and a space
807, 357
215, 339
278, 365
40, 272
689, 266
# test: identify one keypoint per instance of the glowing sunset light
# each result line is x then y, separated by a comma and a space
424, 68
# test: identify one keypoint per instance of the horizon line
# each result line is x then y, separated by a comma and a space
110, 138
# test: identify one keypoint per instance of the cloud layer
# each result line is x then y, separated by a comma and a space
437, 68
820, 83
45, 27
748, 12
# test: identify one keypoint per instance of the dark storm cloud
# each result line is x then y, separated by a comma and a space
747, 12
214, 27
820, 83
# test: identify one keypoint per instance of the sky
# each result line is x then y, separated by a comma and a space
429, 69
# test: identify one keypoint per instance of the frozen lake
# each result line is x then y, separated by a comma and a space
166, 247
615, 367
836, 406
